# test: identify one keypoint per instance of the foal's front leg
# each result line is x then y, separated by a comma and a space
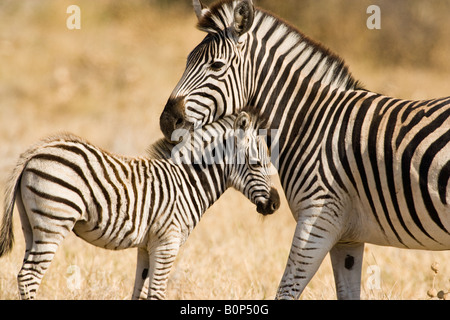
162, 256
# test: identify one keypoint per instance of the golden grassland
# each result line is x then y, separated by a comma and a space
108, 83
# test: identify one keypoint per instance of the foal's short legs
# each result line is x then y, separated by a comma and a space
42, 240
162, 255
142, 275
35, 264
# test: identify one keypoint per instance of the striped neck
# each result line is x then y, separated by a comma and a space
198, 157
287, 72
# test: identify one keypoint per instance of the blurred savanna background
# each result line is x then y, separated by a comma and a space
108, 82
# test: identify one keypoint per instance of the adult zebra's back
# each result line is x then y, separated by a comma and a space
356, 166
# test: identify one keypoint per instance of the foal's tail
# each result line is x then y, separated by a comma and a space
6, 228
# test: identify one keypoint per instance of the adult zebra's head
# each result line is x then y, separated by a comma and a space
212, 85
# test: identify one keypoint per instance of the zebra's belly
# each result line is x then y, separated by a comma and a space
398, 227
436, 244
108, 238
384, 225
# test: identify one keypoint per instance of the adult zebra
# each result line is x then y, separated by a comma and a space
65, 183
356, 166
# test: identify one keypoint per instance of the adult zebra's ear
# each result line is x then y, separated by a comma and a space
243, 17
199, 8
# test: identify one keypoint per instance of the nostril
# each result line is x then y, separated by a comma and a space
179, 123
274, 206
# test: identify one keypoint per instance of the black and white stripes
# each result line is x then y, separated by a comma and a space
65, 183
356, 166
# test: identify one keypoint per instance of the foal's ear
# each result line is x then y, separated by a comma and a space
199, 8
242, 121
243, 17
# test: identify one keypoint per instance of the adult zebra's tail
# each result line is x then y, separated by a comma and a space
6, 229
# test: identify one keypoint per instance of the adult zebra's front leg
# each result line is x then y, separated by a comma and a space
315, 235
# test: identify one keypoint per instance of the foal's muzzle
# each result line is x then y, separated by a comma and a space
269, 206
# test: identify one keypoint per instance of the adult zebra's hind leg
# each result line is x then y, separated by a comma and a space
347, 263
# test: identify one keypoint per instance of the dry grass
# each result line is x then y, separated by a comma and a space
108, 82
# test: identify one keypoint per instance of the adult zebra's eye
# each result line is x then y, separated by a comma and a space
216, 66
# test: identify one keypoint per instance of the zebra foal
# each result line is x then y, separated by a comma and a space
66, 184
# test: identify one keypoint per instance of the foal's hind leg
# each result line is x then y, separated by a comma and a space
142, 275
37, 260
42, 239
26, 227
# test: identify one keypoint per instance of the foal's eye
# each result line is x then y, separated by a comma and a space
255, 163
216, 66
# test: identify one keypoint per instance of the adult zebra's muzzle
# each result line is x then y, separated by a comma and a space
270, 205
172, 118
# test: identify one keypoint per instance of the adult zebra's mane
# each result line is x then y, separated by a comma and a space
220, 17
